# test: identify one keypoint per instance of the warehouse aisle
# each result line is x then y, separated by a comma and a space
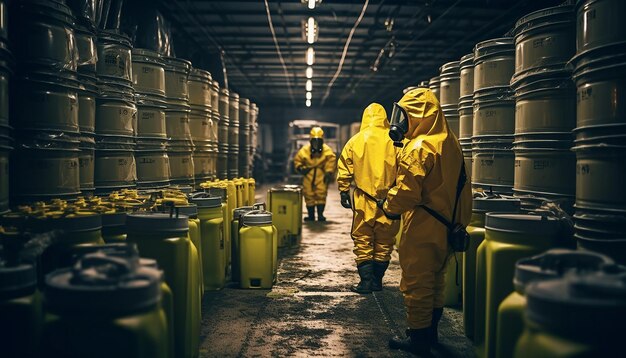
311, 311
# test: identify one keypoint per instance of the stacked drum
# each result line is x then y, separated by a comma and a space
116, 115
600, 134
45, 163
233, 136
449, 78
201, 123
180, 144
222, 134
245, 114
545, 105
466, 108
433, 84
494, 116
153, 167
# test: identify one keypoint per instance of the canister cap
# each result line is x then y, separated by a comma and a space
556, 263
125, 250
157, 222
238, 212
101, 284
17, 281
496, 204
190, 210
522, 223
584, 305
206, 200
257, 218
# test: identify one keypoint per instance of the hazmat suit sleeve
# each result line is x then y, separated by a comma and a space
331, 160
299, 159
345, 167
407, 193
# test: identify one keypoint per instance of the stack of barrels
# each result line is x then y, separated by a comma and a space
449, 82
153, 167
233, 136
116, 115
433, 84
44, 109
600, 134
494, 116
245, 114
466, 108
222, 134
545, 108
201, 123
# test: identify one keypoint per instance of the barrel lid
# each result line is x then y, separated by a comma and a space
114, 36
586, 305
450, 67
555, 15
101, 284
126, 250
234, 95
17, 281
467, 61
238, 212
205, 200
174, 62
257, 218
494, 46
150, 100
283, 189
216, 85
77, 223
434, 80
556, 263
224, 92
146, 55
157, 222
202, 74
495, 204
522, 223
191, 210
113, 219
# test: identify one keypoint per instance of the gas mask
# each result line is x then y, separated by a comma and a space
317, 144
399, 125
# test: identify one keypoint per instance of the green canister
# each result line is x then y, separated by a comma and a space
165, 238
211, 213
551, 264
580, 315
103, 307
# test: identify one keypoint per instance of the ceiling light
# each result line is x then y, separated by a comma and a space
311, 30
309, 72
309, 85
310, 56
309, 95
311, 4
308, 103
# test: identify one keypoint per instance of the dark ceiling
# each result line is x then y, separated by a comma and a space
240, 30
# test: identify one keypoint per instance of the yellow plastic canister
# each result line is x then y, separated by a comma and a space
551, 264
283, 204
235, 244
508, 238
89, 312
165, 238
191, 211
256, 237
251, 191
476, 230
211, 213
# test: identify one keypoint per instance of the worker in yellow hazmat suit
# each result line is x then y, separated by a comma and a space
369, 160
430, 174
316, 162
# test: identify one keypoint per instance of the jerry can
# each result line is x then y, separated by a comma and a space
298, 217
283, 204
257, 238
211, 213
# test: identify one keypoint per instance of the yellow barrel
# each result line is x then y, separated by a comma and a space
251, 191
551, 330
476, 230
119, 304
165, 238
508, 237
256, 236
211, 213
116, 111
284, 204
20, 311
200, 86
176, 75
114, 56
148, 72
549, 265
298, 217
235, 244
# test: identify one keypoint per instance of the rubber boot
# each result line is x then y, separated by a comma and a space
417, 341
320, 213
434, 327
366, 272
311, 211
379, 273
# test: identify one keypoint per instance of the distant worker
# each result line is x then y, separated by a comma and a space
369, 160
431, 180
316, 162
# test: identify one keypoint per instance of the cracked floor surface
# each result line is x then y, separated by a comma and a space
311, 311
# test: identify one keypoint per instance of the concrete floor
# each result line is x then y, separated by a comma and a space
311, 310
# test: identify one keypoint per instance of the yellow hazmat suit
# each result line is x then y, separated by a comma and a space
369, 159
428, 173
316, 168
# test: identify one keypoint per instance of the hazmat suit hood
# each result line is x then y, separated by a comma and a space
424, 113
374, 116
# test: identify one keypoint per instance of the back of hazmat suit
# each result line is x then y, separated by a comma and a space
428, 172
316, 162
369, 160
